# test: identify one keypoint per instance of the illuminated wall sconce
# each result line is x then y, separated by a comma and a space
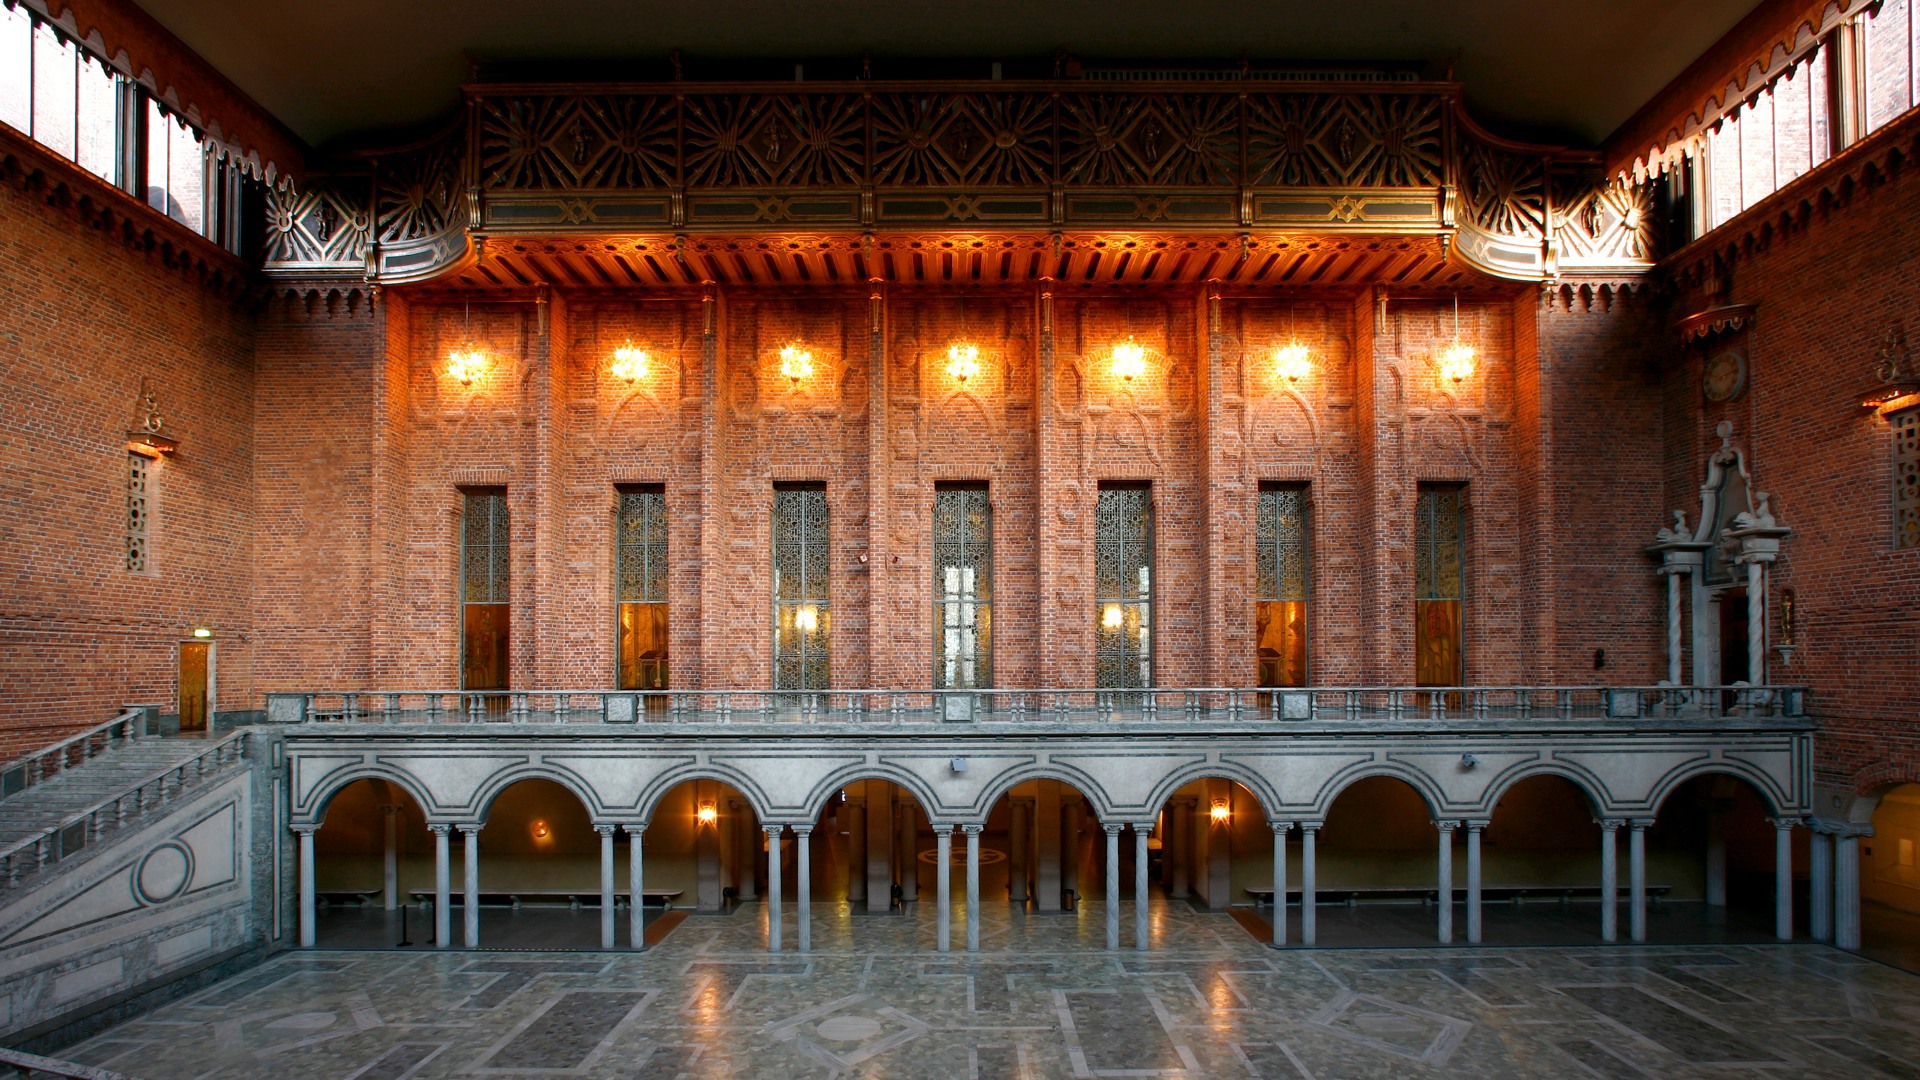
201, 633
806, 618
1457, 360
963, 362
708, 814
1292, 362
1221, 812
629, 363
1129, 360
540, 830
796, 363
1111, 616
148, 436
1898, 381
467, 362
1456, 363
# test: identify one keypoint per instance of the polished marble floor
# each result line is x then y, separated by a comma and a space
1042, 999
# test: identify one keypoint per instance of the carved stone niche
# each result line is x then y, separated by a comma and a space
1733, 545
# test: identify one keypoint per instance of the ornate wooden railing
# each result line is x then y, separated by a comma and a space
1038, 156
1419, 706
85, 827
47, 762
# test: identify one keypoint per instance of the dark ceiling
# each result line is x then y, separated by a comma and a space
348, 69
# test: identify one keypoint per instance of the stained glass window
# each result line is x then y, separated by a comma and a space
962, 587
1439, 583
138, 479
485, 576
1123, 586
1280, 585
640, 537
801, 620
1906, 478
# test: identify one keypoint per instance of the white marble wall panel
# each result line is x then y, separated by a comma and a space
142, 904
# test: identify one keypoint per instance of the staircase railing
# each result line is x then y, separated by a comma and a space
82, 828
25, 1064
50, 761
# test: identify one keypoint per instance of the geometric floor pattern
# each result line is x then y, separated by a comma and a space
1042, 999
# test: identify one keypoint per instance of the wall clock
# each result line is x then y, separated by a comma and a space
1725, 377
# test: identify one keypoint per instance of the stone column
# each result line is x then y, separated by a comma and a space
1609, 880
908, 856
442, 885
1309, 898
973, 885
1637, 878
636, 893
747, 834
390, 861
1022, 829
1820, 892
470, 914
856, 813
1444, 891
1716, 853
1113, 884
879, 846
1072, 812
1050, 848
803, 888
1846, 887
773, 885
943, 881
1140, 886
1176, 846
1474, 831
606, 884
1280, 830
1757, 624
1783, 877
307, 913
1672, 574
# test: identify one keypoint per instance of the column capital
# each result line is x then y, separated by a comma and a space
1784, 823
1281, 826
1609, 824
1112, 828
974, 830
305, 828
1144, 826
605, 828
1840, 830
439, 828
1313, 825
1639, 824
1446, 824
802, 830
470, 827
773, 832
1474, 824
940, 829
634, 828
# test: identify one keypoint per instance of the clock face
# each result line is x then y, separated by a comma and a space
1726, 375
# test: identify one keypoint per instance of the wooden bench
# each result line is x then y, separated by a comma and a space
1518, 895
576, 898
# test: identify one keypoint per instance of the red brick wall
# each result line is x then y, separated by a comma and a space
1830, 267
85, 319
368, 426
